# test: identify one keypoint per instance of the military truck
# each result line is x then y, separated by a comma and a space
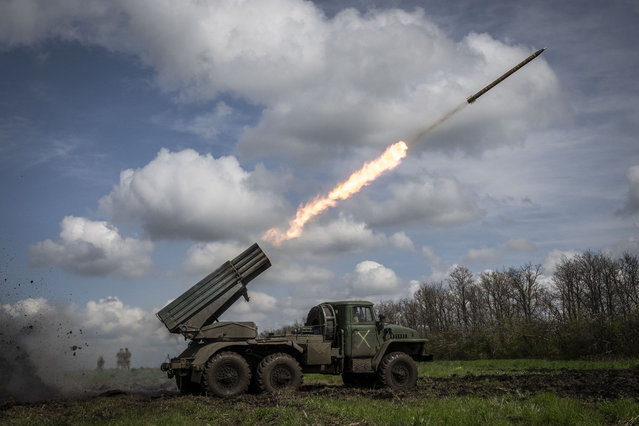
226, 358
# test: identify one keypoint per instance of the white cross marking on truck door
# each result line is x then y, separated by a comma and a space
363, 339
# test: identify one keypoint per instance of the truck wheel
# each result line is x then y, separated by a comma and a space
398, 371
277, 372
226, 374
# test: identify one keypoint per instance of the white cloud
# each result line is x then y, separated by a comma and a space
632, 204
401, 240
203, 258
352, 80
554, 257
94, 248
185, 195
299, 285
372, 280
368, 97
110, 318
429, 200
266, 311
260, 306
337, 237
28, 307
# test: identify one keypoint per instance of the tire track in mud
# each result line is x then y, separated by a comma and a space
582, 384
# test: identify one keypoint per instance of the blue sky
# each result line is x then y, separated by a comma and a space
144, 143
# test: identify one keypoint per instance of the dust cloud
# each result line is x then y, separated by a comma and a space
35, 350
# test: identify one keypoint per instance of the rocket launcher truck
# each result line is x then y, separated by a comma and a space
225, 358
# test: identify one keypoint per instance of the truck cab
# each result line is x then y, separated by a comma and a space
364, 338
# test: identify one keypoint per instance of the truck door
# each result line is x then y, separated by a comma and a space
363, 332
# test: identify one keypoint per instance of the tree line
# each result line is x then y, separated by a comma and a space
589, 308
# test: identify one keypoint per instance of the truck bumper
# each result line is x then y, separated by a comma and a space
177, 366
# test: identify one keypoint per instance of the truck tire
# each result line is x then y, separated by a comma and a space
226, 374
278, 372
397, 371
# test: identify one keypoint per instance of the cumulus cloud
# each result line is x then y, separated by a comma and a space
429, 200
266, 311
94, 248
260, 305
305, 285
358, 80
341, 236
352, 83
632, 203
554, 257
334, 237
391, 74
203, 258
110, 317
373, 281
185, 195
401, 240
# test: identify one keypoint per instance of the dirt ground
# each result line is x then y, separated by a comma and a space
581, 384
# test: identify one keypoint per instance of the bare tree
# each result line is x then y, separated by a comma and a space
569, 290
527, 291
499, 296
391, 311
460, 280
628, 278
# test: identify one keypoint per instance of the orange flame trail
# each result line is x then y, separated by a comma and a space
390, 159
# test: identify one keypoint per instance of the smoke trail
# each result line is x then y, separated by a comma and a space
422, 133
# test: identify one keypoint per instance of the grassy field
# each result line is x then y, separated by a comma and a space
473, 392
516, 366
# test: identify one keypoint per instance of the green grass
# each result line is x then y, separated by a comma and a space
115, 376
514, 366
541, 409
294, 409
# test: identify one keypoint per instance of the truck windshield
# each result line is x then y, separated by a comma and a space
362, 314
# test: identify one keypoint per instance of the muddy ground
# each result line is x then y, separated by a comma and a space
581, 384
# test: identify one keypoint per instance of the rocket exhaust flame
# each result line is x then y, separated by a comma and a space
390, 159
